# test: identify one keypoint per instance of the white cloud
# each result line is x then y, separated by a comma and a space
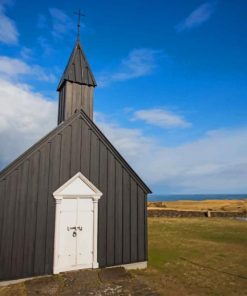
14, 68
8, 30
197, 17
161, 117
214, 163
123, 138
140, 62
61, 22
25, 116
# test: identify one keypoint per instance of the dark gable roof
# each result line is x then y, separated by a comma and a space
78, 69
79, 114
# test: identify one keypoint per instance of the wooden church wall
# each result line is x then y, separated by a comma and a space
27, 212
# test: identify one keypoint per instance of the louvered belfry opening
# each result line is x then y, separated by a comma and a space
76, 87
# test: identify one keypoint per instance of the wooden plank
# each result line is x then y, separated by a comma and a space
17, 218
2, 200
54, 177
87, 93
75, 147
145, 228
110, 209
85, 149
59, 108
90, 101
40, 235
119, 215
31, 214
102, 243
126, 217
68, 99
94, 160
20, 221
141, 225
6, 238
78, 73
11, 227
133, 221
2, 212
8, 226
65, 155
63, 104
86, 99
76, 98
83, 98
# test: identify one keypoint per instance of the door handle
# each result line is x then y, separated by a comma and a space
68, 228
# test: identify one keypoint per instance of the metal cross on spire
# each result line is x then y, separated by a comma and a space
79, 14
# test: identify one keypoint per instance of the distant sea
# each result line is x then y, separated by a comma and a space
174, 197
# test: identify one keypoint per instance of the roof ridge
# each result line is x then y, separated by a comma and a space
112, 148
12, 165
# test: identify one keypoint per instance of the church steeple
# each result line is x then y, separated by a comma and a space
78, 69
76, 86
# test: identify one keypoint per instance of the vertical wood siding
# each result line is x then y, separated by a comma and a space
119, 214
27, 211
72, 97
126, 217
102, 214
110, 209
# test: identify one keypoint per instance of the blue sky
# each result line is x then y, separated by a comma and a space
171, 79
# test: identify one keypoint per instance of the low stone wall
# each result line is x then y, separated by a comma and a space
176, 213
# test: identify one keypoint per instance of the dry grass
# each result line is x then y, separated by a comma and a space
193, 256
204, 205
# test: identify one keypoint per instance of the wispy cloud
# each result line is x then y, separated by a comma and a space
42, 22
140, 62
47, 49
216, 162
161, 117
61, 23
26, 53
197, 17
16, 68
8, 31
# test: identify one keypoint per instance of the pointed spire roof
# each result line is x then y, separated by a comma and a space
78, 69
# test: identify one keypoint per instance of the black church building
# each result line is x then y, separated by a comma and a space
71, 201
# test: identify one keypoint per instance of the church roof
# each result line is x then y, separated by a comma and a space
60, 130
78, 69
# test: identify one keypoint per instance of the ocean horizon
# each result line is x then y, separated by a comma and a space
176, 197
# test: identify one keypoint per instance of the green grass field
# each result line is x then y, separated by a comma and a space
187, 256
197, 256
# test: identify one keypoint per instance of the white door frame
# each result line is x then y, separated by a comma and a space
90, 192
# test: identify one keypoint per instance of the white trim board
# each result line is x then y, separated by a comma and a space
75, 185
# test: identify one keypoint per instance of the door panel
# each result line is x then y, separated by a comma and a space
67, 246
85, 238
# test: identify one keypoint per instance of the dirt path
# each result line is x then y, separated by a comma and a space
112, 281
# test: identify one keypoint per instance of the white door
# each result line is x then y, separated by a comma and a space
75, 249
